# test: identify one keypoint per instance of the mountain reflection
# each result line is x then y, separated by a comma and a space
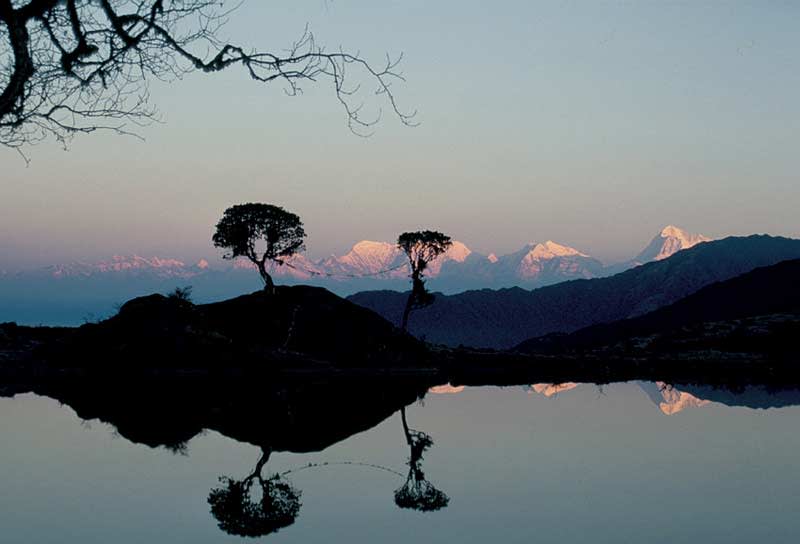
672, 399
551, 389
669, 399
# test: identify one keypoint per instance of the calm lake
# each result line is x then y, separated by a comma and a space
628, 462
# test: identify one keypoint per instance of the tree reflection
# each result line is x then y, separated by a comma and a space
244, 510
417, 492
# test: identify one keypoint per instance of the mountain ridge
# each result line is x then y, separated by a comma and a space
763, 291
503, 318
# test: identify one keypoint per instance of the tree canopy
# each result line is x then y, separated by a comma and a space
422, 247
241, 512
76, 66
260, 233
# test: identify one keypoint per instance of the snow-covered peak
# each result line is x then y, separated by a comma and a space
457, 252
546, 263
371, 256
552, 250
671, 231
371, 247
668, 242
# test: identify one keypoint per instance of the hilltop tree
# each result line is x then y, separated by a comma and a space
421, 247
261, 233
76, 66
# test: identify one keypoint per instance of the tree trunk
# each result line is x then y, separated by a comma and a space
406, 430
410, 301
269, 285
406, 312
265, 453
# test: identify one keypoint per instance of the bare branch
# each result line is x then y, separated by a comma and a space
77, 66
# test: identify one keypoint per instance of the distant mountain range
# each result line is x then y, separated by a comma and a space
535, 264
72, 292
504, 318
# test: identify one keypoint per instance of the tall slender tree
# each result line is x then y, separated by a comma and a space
421, 248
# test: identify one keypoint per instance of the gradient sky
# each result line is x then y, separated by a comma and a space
590, 123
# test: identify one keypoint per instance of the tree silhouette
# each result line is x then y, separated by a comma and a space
245, 226
421, 247
238, 512
417, 493
76, 66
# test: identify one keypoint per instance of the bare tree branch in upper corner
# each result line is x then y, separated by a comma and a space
77, 66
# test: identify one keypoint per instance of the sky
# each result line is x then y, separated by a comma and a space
593, 124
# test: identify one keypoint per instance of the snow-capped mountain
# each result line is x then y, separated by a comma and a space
368, 265
546, 263
367, 258
669, 241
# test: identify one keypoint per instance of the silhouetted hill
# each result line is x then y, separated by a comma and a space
769, 293
244, 332
506, 317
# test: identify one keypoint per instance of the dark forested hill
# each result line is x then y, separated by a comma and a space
504, 318
765, 291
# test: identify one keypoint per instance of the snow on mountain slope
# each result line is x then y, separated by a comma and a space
368, 257
457, 253
666, 243
545, 263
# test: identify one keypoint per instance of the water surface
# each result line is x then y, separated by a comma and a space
630, 462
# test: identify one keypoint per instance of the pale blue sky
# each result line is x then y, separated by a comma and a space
590, 123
